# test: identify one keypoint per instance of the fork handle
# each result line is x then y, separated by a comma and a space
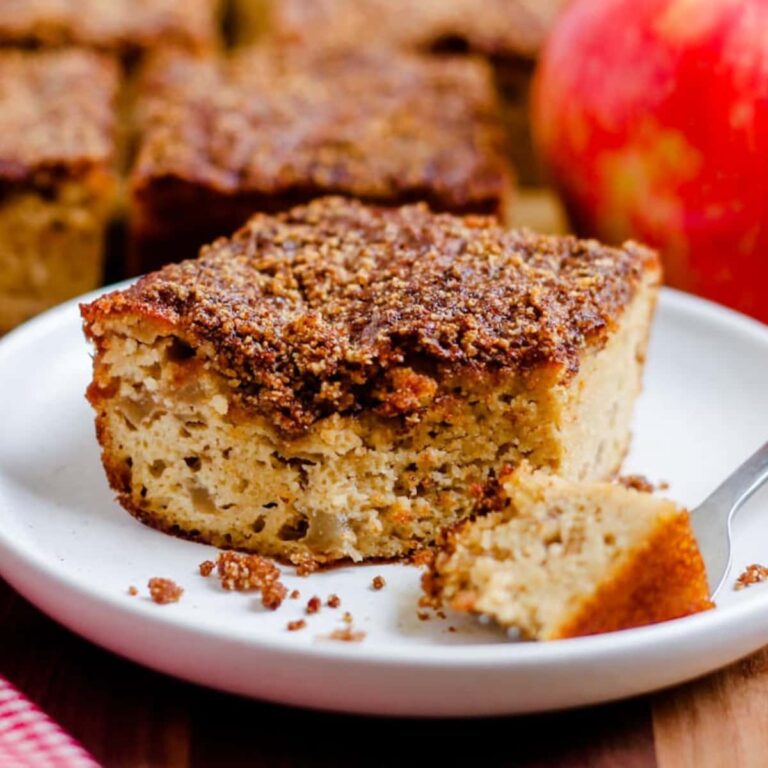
742, 483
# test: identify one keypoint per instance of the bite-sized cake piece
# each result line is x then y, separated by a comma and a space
57, 129
262, 131
125, 27
497, 28
557, 558
331, 381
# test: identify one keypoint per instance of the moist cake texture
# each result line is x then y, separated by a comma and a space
56, 177
126, 27
331, 381
560, 559
496, 28
264, 130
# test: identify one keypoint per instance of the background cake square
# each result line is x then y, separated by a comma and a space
220, 139
57, 182
508, 33
125, 27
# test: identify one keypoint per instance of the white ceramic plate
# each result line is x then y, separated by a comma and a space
70, 549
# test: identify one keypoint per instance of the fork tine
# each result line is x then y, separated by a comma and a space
711, 520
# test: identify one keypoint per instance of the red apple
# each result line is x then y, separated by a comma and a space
652, 117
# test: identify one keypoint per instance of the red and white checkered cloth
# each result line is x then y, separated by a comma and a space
30, 739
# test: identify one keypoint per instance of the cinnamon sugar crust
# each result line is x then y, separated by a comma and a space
53, 127
338, 307
500, 28
122, 26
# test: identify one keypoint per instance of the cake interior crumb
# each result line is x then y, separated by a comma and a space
378, 582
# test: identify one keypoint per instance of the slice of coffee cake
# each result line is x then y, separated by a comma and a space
562, 559
329, 382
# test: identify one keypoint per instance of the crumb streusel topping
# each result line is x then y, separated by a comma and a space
336, 307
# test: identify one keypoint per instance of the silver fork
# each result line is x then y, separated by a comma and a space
712, 518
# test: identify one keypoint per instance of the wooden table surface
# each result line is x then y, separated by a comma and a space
128, 716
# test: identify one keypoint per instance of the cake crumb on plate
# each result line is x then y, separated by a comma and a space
294, 626
164, 591
247, 572
313, 604
752, 574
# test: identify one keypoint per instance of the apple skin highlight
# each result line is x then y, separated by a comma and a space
652, 120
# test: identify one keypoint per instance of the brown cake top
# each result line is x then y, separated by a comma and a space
125, 26
57, 116
376, 125
500, 28
336, 306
